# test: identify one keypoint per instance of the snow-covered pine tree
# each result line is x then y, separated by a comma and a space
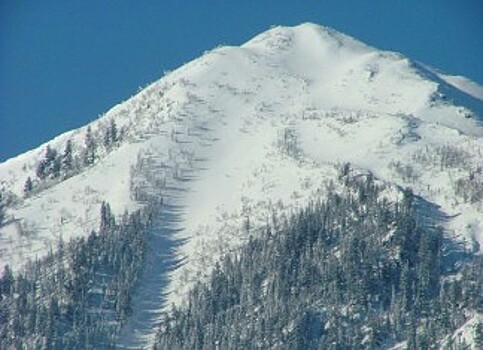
28, 186
49, 166
67, 164
2, 208
110, 135
90, 147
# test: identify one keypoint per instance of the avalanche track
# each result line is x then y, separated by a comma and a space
149, 300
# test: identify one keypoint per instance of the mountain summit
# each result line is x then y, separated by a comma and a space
242, 136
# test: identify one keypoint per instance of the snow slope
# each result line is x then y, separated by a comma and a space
244, 132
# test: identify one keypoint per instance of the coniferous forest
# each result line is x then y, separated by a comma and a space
353, 271
350, 271
78, 296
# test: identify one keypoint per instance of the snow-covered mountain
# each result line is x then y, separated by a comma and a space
242, 134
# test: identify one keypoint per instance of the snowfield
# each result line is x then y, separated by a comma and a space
245, 133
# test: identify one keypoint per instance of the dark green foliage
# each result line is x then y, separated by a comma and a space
479, 335
49, 167
28, 186
113, 131
107, 219
111, 136
2, 208
79, 295
67, 159
351, 272
90, 148
55, 167
6, 281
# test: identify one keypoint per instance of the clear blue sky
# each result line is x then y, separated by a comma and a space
62, 63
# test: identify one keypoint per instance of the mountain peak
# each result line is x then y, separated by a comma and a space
310, 34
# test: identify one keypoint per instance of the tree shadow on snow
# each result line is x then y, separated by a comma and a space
432, 218
150, 297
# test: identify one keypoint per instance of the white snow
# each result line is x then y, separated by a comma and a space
215, 132
464, 84
465, 334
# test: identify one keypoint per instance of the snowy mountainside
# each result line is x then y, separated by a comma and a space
244, 132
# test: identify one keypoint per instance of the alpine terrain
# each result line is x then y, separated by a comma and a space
301, 191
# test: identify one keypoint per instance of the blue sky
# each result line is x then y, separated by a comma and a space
63, 63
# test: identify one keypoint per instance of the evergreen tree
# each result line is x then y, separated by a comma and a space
90, 148
7, 281
67, 158
110, 134
107, 219
113, 131
40, 170
28, 187
49, 166
2, 208
107, 138
478, 335
56, 167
